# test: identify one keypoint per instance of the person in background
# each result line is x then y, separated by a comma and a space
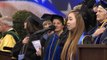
100, 32
46, 23
31, 24
54, 44
27, 50
46, 20
9, 37
76, 27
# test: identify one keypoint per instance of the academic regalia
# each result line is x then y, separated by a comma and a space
102, 36
16, 49
9, 39
81, 38
75, 57
99, 39
29, 51
45, 17
79, 43
54, 46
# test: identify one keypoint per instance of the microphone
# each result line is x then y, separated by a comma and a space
51, 28
7, 48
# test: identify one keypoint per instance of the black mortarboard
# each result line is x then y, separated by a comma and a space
102, 3
46, 16
58, 17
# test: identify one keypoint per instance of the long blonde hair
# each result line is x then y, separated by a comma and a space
73, 38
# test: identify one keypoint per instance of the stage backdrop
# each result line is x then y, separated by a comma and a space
38, 7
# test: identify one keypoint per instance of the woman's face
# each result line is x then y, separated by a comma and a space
71, 22
57, 23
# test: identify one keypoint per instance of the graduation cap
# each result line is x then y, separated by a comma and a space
46, 16
58, 17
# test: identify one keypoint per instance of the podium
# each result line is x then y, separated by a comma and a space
92, 52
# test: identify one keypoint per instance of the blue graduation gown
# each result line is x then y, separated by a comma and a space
98, 39
53, 49
81, 38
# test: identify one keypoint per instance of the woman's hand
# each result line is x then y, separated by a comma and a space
39, 52
25, 40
